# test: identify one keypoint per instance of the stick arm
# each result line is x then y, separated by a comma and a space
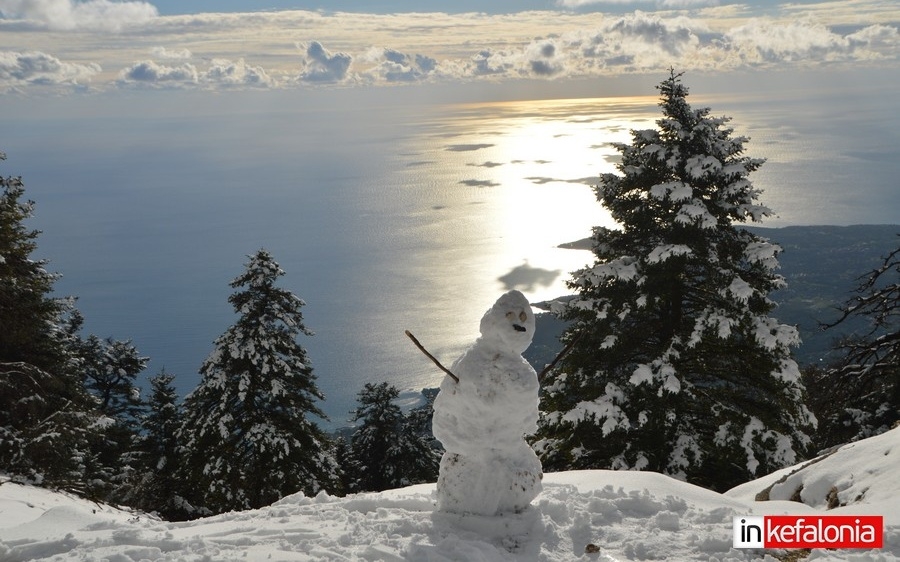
432, 357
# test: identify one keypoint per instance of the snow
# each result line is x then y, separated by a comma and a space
628, 515
861, 474
665, 251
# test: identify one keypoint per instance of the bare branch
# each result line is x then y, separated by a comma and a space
561, 354
430, 356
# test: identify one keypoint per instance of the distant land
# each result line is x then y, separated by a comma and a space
822, 266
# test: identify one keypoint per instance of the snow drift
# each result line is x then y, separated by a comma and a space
625, 515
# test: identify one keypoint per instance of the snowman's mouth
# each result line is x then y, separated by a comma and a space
519, 328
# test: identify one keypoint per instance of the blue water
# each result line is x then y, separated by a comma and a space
385, 217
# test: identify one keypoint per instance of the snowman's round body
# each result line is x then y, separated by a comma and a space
488, 467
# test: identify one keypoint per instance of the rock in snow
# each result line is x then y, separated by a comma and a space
488, 467
626, 515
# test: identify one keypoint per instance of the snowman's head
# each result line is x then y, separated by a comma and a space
509, 324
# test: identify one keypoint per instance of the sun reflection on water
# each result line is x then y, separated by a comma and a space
495, 189
529, 168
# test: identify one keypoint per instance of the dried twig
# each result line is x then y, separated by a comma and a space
562, 354
430, 356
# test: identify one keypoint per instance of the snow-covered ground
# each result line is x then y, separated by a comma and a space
628, 515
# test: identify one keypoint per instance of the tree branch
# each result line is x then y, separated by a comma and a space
561, 354
430, 356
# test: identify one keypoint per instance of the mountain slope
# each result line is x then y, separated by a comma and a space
627, 515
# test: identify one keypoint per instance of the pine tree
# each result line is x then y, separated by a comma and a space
678, 367
386, 451
419, 420
157, 487
46, 416
247, 436
31, 319
859, 396
110, 369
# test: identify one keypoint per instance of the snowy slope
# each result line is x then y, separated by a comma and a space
629, 515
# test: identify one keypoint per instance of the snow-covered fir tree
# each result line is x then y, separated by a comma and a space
157, 488
386, 451
420, 419
248, 438
110, 369
678, 367
46, 416
859, 395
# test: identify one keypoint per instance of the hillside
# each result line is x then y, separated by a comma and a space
626, 515
822, 266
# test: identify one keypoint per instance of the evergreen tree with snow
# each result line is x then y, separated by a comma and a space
46, 416
247, 437
859, 396
420, 419
678, 367
110, 369
157, 486
385, 450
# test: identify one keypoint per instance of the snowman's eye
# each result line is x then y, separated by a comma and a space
510, 315
522, 316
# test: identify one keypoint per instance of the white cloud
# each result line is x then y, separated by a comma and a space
323, 66
879, 40
238, 73
37, 68
573, 4
670, 4
72, 14
488, 62
219, 73
150, 73
552, 45
544, 59
687, 4
764, 41
391, 65
164, 53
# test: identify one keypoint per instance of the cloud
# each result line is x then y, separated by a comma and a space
764, 41
575, 4
219, 73
549, 45
238, 73
323, 66
671, 4
37, 68
488, 62
634, 42
391, 65
164, 53
543, 59
71, 14
644, 30
150, 73
880, 41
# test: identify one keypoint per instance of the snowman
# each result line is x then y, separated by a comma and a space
488, 467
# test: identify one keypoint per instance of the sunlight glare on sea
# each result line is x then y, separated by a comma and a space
385, 218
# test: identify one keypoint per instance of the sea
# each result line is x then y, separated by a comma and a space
386, 216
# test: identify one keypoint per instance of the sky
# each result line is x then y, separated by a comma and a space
62, 47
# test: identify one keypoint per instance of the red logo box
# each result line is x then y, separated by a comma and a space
808, 531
